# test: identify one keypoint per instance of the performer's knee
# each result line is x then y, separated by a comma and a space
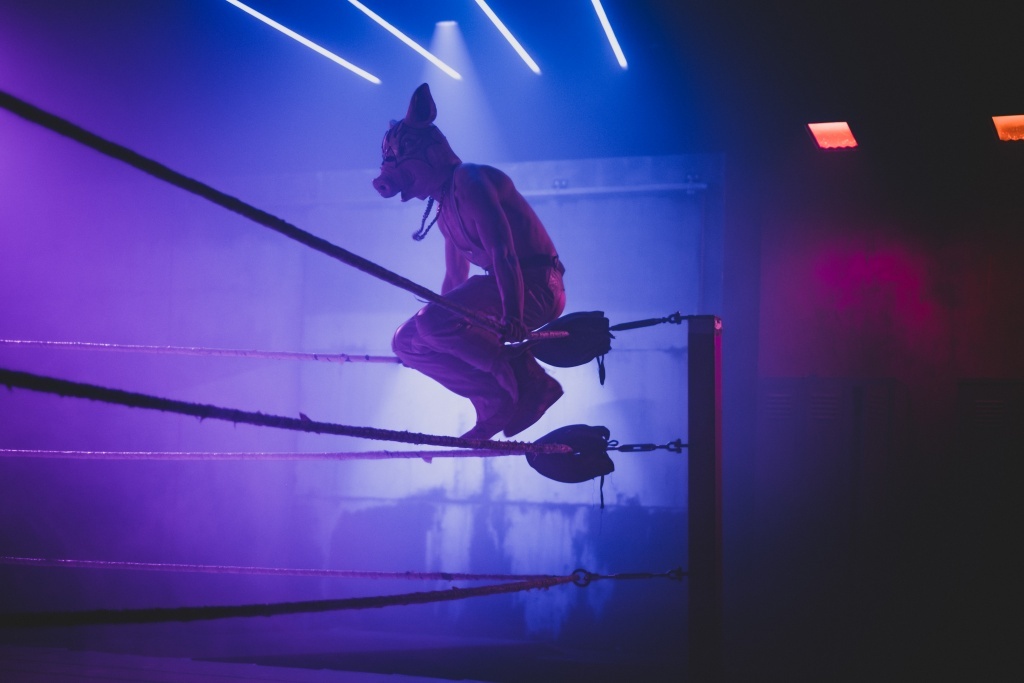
402, 342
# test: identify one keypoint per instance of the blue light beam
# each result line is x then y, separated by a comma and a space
612, 40
407, 40
508, 36
307, 42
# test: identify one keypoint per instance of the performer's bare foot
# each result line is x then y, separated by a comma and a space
483, 430
538, 393
486, 428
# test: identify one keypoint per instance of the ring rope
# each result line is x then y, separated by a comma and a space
263, 571
200, 351
579, 576
183, 614
60, 387
208, 456
64, 127
514, 583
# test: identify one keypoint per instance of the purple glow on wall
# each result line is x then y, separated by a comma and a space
885, 292
877, 297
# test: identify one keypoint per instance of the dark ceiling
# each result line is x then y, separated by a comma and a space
204, 85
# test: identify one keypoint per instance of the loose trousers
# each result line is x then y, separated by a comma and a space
467, 359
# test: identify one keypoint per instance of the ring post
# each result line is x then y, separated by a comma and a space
704, 496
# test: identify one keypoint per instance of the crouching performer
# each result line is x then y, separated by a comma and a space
485, 222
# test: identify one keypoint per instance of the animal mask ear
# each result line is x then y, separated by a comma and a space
422, 110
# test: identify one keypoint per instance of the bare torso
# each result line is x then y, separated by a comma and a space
485, 218
486, 222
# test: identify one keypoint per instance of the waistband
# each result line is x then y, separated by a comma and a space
542, 261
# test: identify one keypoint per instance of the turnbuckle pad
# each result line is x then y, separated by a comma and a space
588, 460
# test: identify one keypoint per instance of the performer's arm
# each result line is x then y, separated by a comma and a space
456, 269
484, 212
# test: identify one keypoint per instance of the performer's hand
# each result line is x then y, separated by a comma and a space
514, 331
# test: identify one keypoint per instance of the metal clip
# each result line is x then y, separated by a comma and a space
676, 446
581, 577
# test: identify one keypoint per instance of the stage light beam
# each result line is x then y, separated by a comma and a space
612, 40
508, 36
306, 41
406, 39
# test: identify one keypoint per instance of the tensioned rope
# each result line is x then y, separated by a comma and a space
261, 571
676, 446
64, 127
258, 353
675, 318
168, 614
514, 583
51, 385
201, 351
38, 454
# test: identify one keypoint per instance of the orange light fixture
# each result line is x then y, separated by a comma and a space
1009, 128
832, 135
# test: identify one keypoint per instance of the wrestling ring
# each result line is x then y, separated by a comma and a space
573, 454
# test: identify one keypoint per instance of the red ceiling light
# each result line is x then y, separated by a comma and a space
1009, 128
832, 135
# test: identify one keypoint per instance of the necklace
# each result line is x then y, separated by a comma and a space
422, 232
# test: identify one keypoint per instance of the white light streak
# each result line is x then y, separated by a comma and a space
407, 40
305, 41
610, 33
508, 36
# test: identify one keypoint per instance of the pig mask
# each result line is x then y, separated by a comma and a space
416, 158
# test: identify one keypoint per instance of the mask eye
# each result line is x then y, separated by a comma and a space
388, 153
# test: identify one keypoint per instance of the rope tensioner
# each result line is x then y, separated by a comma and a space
675, 318
676, 446
581, 577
